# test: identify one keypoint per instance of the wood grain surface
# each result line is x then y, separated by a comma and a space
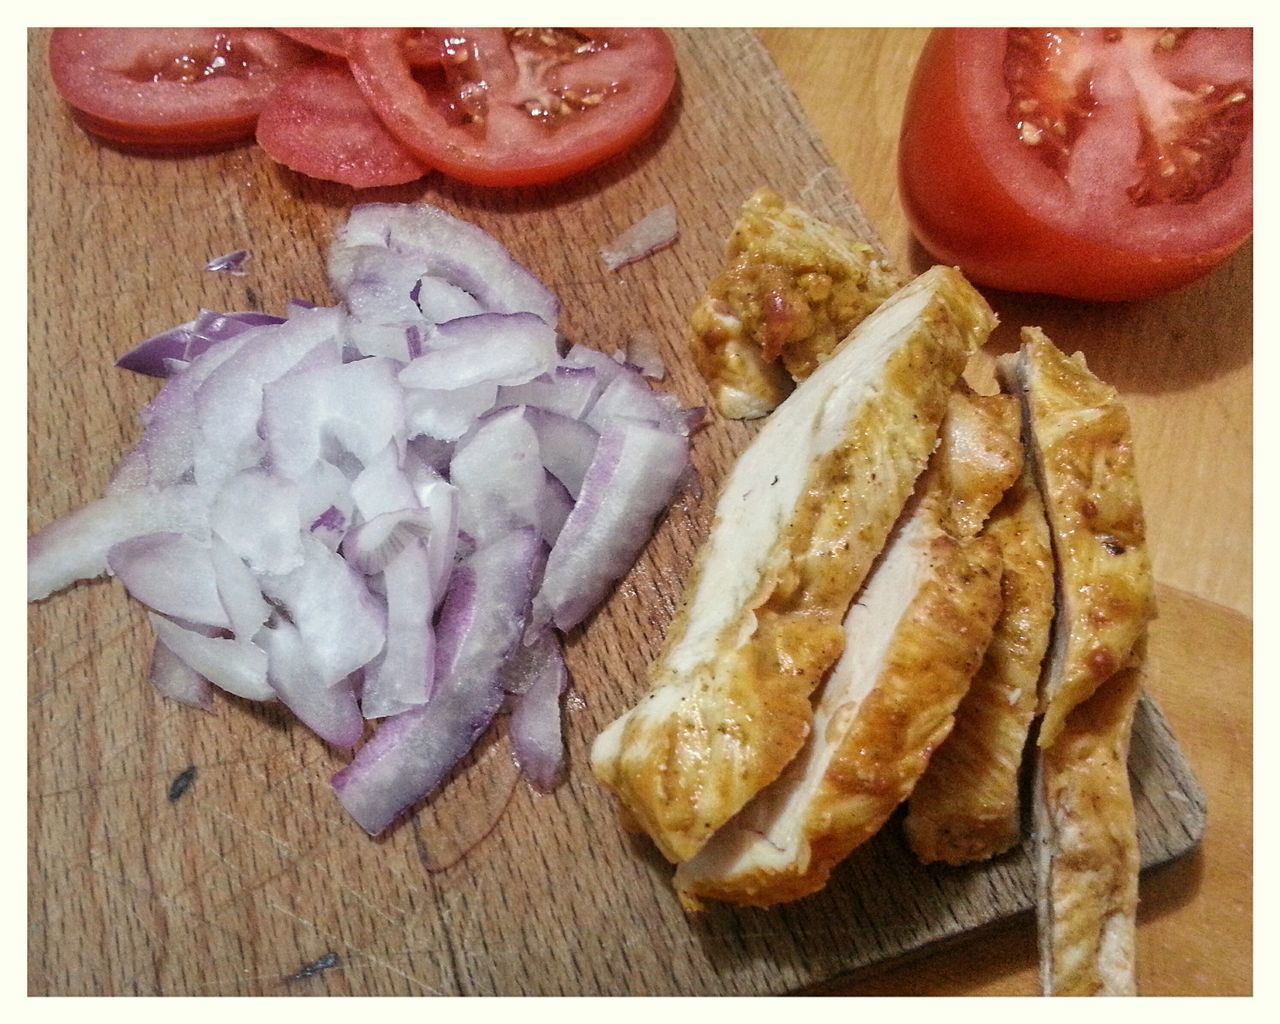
253, 880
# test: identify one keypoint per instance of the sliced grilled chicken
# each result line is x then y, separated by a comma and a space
1079, 435
965, 808
913, 641
981, 454
798, 524
1087, 847
793, 287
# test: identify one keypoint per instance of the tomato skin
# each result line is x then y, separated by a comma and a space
962, 212
382, 68
93, 71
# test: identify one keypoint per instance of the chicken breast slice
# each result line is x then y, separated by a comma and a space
799, 522
792, 289
1079, 436
981, 455
913, 641
1087, 847
966, 807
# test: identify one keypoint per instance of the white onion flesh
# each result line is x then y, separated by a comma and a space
359, 509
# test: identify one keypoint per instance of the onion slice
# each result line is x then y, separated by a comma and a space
75, 547
656, 231
173, 678
632, 479
535, 728
172, 574
237, 666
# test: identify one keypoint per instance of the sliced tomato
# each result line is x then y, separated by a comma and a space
170, 86
422, 45
1091, 163
518, 106
318, 123
327, 40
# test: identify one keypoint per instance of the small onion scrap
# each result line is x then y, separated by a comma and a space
387, 509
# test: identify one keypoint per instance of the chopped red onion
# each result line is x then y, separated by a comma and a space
174, 679
566, 446
401, 677
158, 356
382, 485
631, 481
309, 492
606, 369
444, 248
171, 573
481, 623
328, 709
238, 591
75, 547
231, 263
341, 623
357, 406
499, 475
489, 348
540, 680
644, 354
237, 666
229, 404
629, 397
259, 516
645, 237
554, 509
373, 545
446, 415
569, 390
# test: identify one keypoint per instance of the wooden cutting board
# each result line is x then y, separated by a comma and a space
253, 880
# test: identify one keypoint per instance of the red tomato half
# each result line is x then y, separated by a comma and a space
1091, 163
318, 123
188, 87
518, 106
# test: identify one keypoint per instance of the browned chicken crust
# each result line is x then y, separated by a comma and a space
1081, 440
730, 705
965, 808
1088, 847
792, 289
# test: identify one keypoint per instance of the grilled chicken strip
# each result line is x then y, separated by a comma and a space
792, 289
1083, 452
1087, 847
914, 639
798, 524
965, 807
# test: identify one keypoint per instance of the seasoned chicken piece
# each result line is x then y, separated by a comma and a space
913, 641
965, 807
981, 455
800, 520
792, 289
1087, 847
1079, 435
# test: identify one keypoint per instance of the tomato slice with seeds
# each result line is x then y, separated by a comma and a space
170, 87
318, 123
1092, 163
518, 106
